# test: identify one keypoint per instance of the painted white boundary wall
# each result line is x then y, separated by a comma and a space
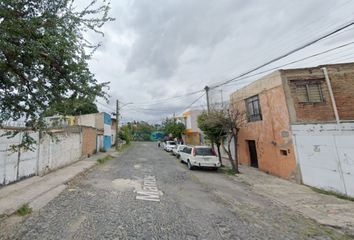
49, 155
14, 166
325, 155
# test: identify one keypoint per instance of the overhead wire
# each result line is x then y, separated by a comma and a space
162, 100
279, 42
106, 106
246, 74
292, 62
351, 23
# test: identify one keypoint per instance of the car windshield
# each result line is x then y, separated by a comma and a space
171, 143
204, 152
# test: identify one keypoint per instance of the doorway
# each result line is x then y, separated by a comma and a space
253, 153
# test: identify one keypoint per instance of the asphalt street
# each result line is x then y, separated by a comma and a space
148, 194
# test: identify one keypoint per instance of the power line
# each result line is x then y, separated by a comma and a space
287, 54
106, 106
292, 62
305, 25
158, 101
195, 101
244, 75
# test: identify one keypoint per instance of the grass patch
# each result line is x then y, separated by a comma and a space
333, 193
123, 147
104, 159
228, 171
24, 210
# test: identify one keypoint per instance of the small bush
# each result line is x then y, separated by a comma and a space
228, 171
24, 210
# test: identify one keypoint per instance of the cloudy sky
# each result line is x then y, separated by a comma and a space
157, 51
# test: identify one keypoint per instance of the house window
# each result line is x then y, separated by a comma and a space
253, 109
309, 92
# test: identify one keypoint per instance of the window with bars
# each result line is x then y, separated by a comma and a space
309, 92
253, 109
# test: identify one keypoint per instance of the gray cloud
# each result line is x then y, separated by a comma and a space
163, 48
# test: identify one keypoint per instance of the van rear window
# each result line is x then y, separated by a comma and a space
204, 152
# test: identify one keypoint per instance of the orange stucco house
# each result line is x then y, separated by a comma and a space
287, 100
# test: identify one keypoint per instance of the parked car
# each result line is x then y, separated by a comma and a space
177, 150
199, 156
169, 146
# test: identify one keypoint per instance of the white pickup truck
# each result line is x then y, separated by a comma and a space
199, 156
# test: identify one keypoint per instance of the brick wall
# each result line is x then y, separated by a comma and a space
342, 81
89, 140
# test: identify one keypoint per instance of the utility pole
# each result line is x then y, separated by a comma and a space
208, 106
207, 97
222, 99
117, 125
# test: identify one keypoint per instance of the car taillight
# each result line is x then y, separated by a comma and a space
213, 151
194, 152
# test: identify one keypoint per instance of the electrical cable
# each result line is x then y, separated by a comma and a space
287, 54
286, 64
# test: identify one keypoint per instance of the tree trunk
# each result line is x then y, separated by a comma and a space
235, 136
229, 154
219, 154
234, 166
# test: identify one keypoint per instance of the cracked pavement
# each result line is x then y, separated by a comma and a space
200, 204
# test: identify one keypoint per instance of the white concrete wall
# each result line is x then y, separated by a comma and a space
113, 132
194, 120
47, 156
325, 155
11, 162
88, 120
232, 148
60, 151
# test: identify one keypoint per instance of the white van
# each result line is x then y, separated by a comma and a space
199, 156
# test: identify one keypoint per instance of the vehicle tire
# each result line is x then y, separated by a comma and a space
190, 167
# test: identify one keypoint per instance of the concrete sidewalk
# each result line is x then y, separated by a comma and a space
38, 191
325, 209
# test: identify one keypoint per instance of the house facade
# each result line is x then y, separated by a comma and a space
300, 125
103, 123
192, 135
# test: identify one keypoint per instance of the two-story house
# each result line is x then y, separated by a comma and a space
300, 125
192, 135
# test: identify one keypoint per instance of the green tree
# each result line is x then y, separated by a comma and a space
125, 133
233, 119
222, 126
171, 126
76, 106
142, 131
213, 127
43, 56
